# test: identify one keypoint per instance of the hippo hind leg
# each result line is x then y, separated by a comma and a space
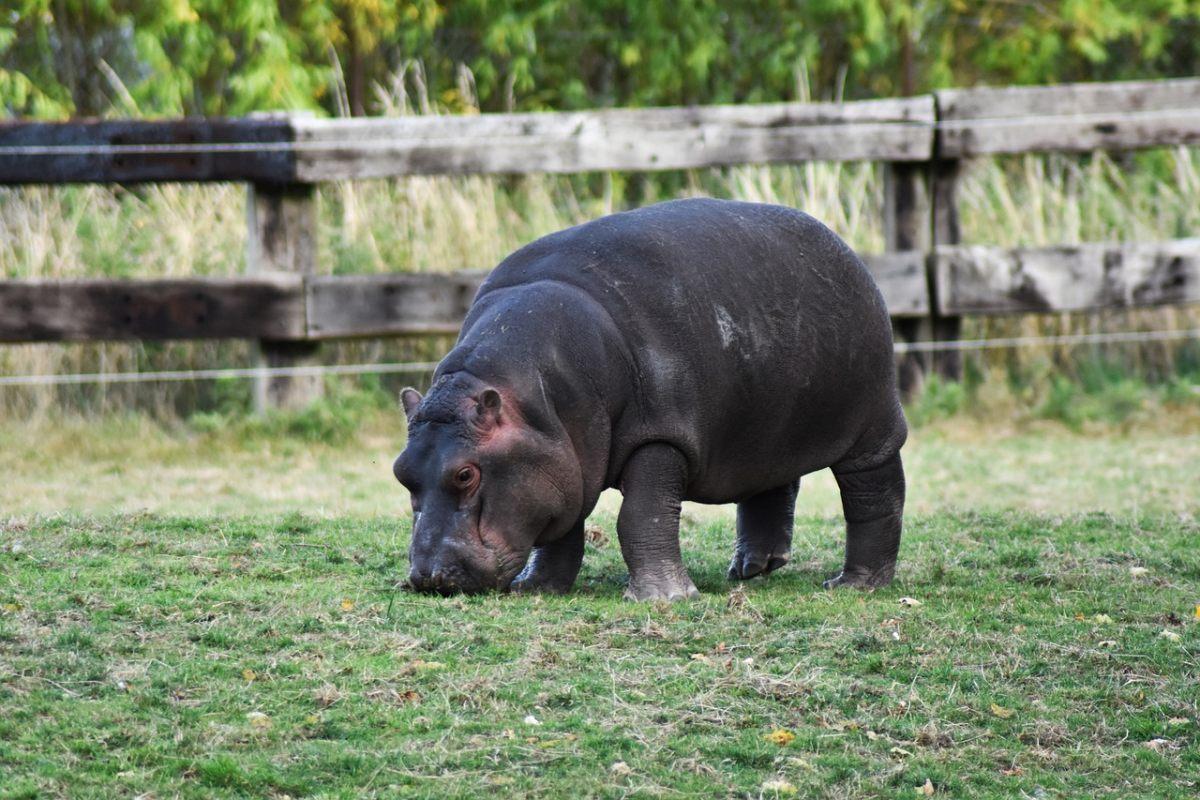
764, 532
873, 503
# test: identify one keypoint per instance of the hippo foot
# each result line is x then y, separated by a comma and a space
669, 589
862, 578
747, 565
538, 584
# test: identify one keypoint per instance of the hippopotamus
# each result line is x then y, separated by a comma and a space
703, 350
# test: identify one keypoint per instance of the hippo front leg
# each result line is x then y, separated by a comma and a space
553, 567
653, 483
873, 504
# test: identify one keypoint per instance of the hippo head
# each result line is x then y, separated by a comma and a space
486, 485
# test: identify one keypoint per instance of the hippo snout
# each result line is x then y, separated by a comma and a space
443, 579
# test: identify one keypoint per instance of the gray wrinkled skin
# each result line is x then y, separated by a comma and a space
699, 350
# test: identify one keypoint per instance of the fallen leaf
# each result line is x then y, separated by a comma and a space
701, 657
1102, 619
249, 675
530, 719
1171, 636
1002, 712
1137, 572
1158, 745
620, 768
1108, 643
1179, 721
926, 790
1012, 773
327, 695
1018, 629
11, 608
779, 786
910, 602
900, 751
780, 737
595, 535
873, 736
1197, 612
259, 721
347, 604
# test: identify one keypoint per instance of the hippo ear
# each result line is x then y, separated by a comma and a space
410, 399
487, 407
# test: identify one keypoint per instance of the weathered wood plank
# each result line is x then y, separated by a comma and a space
1130, 97
906, 227
619, 139
267, 306
943, 191
1068, 118
282, 223
992, 280
348, 306
133, 151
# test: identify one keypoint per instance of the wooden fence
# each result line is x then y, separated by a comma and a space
928, 278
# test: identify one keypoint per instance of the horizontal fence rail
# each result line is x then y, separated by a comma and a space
1070, 118
301, 149
928, 278
283, 306
295, 148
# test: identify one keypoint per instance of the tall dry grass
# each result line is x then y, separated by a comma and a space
435, 224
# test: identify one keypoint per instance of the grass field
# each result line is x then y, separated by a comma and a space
1050, 656
222, 646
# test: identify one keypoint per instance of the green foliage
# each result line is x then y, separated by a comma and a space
938, 399
334, 419
221, 57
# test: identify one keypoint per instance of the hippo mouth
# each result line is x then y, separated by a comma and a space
455, 579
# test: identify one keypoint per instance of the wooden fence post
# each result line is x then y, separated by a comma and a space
907, 225
282, 223
943, 179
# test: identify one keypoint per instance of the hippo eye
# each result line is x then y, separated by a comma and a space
464, 477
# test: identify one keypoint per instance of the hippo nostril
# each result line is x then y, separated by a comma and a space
418, 579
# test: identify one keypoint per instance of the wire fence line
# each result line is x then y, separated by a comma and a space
1114, 337
185, 148
416, 367
217, 374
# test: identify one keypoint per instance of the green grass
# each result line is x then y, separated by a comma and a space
137, 654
